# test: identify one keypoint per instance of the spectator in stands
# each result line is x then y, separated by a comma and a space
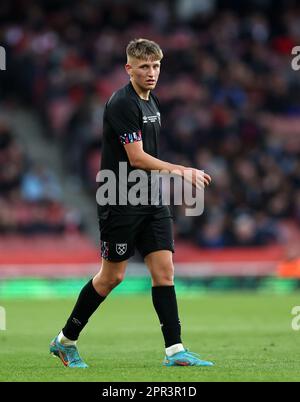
30, 196
229, 104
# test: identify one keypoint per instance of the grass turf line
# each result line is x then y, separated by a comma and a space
248, 336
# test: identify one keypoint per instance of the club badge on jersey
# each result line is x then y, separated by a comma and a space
112, 251
121, 248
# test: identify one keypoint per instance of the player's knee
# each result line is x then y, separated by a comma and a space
119, 278
163, 281
115, 280
164, 276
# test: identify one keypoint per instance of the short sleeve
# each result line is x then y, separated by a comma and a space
124, 117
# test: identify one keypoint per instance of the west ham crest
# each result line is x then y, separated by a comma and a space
121, 248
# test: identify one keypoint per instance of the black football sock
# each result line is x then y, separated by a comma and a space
165, 304
87, 303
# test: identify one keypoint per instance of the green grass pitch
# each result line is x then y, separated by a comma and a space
248, 336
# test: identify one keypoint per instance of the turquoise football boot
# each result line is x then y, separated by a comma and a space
67, 354
186, 358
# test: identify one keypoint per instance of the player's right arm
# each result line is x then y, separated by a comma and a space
142, 160
124, 117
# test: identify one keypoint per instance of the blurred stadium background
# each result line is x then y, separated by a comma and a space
230, 105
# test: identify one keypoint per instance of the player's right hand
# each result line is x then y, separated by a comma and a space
198, 178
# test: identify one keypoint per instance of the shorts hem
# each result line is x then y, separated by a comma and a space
117, 259
144, 254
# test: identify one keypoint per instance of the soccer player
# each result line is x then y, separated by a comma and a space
130, 135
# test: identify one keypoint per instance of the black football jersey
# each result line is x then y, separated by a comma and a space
128, 118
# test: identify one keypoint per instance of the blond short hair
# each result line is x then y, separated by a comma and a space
144, 49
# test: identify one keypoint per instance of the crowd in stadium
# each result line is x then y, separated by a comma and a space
30, 196
229, 102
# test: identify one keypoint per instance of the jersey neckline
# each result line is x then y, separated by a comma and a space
143, 100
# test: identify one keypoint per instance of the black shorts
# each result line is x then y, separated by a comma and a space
122, 234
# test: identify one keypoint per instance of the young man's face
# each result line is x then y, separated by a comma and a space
144, 73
